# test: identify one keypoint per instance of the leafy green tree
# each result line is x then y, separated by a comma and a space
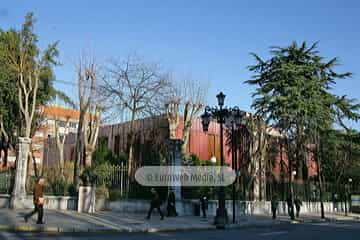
103, 155
294, 96
26, 80
342, 154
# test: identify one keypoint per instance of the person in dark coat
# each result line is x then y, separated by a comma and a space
204, 204
155, 203
274, 205
171, 208
298, 205
290, 206
38, 202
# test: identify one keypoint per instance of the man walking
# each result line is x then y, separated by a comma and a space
204, 204
38, 201
290, 207
171, 208
298, 205
155, 203
274, 206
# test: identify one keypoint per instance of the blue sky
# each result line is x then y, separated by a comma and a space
211, 40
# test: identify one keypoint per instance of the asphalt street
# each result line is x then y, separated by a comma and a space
327, 230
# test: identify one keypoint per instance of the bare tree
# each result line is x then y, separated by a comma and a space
172, 114
136, 88
28, 73
87, 74
5, 139
91, 131
60, 142
188, 97
259, 150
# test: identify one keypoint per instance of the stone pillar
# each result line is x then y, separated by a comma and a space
86, 199
19, 191
175, 158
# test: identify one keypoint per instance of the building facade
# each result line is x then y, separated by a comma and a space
44, 136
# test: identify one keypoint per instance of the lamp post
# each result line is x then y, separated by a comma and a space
220, 114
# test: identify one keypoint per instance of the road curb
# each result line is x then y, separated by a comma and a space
30, 228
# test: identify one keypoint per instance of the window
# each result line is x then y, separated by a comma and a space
62, 124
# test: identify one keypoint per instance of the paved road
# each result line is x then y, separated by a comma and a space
329, 231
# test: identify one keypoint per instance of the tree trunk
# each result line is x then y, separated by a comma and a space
5, 140
186, 137
78, 149
61, 160
172, 110
88, 158
290, 162
172, 130
131, 145
60, 146
320, 180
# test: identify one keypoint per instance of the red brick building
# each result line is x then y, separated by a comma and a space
45, 132
152, 132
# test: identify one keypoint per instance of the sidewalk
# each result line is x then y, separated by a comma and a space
71, 221
334, 216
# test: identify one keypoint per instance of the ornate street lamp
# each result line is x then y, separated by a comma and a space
221, 114
221, 98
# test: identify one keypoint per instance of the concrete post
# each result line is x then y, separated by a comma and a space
19, 190
86, 199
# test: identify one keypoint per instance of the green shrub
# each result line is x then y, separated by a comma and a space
102, 192
58, 187
192, 160
102, 170
103, 155
88, 176
114, 194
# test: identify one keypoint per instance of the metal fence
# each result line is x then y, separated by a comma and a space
57, 188
121, 185
112, 176
6, 181
309, 191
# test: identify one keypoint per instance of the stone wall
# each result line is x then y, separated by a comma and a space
188, 207
4, 200
51, 202
184, 207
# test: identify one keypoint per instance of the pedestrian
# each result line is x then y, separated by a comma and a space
298, 205
274, 205
155, 203
171, 208
290, 206
38, 201
204, 204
